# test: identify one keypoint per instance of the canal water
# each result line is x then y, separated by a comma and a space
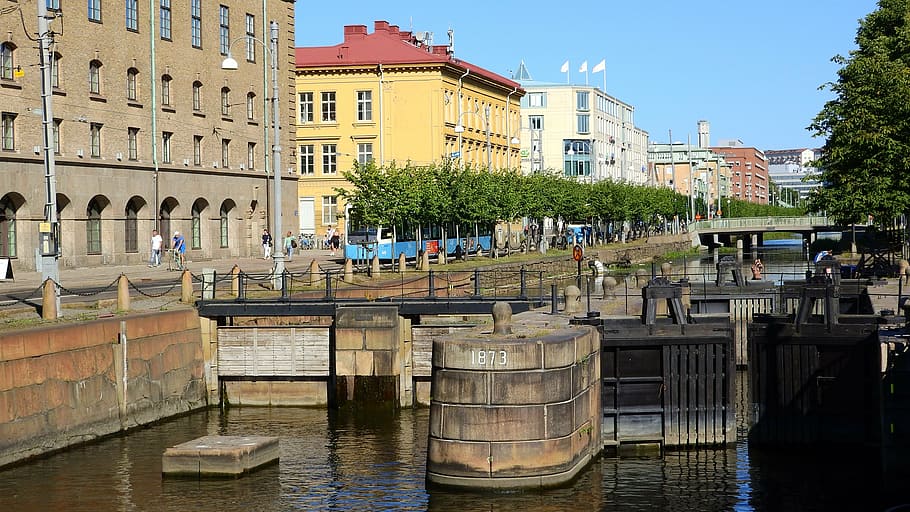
368, 459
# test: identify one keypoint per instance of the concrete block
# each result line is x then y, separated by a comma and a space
219, 456
458, 458
382, 363
560, 419
530, 459
484, 423
367, 317
349, 339
381, 339
558, 353
455, 386
363, 363
344, 362
531, 387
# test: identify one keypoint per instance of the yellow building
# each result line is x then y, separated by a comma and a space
393, 96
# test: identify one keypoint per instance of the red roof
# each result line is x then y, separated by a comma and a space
386, 45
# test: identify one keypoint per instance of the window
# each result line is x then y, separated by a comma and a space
328, 107
197, 149
94, 11
250, 38
166, 147
197, 96
305, 100
225, 153
251, 155
250, 106
329, 210
535, 122
53, 5
166, 90
225, 101
55, 71
223, 224
584, 121
6, 61
8, 131
196, 23
224, 28
537, 99
55, 133
94, 77
581, 100
196, 220
364, 153
306, 154
132, 15
133, 143
165, 19
7, 228
93, 227
132, 84
364, 105
131, 226
95, 139
329, 159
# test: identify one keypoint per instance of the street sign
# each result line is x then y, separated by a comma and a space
578, 253
456, 154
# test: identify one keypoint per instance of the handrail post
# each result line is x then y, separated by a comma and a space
554, 300
328, 285
284, 285
241, 285
476, 282
430, 284
523, 288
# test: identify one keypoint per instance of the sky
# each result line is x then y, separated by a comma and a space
751, 69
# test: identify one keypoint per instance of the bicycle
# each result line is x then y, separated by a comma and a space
173, 260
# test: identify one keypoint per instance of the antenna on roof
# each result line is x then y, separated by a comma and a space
451, 41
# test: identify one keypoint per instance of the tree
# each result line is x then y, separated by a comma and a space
867, 125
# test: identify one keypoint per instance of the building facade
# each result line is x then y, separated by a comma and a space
749, 171
393, 96
148, 132
582, 132
696, 172
790, 169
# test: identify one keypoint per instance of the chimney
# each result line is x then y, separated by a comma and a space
440, 49
354, 32
704, 134
394, 30
381, 26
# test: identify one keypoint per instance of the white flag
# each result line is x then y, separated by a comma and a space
584, 67
565, 67
601, 66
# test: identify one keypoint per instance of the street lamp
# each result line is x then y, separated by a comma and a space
459, 129
230, 63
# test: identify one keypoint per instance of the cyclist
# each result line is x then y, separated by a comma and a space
180, 250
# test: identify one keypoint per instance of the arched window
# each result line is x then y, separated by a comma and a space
165, 212
197, 96
93, 227
7, 63
224, 223
196, 235
166, 89
7, 227
250, 106
225, 101
94, 77
131, 226
132, 84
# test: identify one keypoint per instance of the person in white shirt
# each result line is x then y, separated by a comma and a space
155, 258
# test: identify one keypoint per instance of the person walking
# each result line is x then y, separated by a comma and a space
180, 249
329, 239
155, 257
290, 243
266, 244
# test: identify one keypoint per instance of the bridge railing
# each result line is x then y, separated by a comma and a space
759, 222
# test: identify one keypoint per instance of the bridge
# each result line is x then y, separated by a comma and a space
751, 229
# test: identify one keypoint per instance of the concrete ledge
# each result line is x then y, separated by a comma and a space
219, 456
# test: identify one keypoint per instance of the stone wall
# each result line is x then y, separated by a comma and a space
66, 384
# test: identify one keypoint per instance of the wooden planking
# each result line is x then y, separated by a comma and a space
273, 351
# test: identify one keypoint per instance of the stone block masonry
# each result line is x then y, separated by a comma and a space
66, 384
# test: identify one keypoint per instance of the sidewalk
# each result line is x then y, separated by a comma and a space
26, 281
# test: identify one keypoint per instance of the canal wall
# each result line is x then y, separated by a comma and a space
62, 385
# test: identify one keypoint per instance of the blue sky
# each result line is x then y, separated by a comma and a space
752, 69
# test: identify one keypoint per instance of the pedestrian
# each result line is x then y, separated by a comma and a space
329, 236
290, 243
266, 244
757, 269
180, 249
335, 240
157, 241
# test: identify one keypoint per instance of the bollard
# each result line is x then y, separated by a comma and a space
402, 263
123, 293
186, 287
348, 271
314, 273
425, 260
666, 269
235, 281
573, 299
441, 256
49, 300
502, 318
374, 266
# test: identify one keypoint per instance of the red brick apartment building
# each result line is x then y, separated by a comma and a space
748, 171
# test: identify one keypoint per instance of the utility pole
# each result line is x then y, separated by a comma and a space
48, 231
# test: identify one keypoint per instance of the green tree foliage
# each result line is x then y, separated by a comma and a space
867, 126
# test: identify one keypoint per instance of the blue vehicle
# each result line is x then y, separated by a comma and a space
363, 243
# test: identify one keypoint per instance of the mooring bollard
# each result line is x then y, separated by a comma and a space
123, 293
374, 266
573, 299
186, 287
424, 260
402, 263
502, 318
49, 300
235, 281
315, 276
348, 271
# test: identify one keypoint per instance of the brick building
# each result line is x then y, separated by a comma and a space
148, 130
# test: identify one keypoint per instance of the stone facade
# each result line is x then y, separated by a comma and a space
161, 137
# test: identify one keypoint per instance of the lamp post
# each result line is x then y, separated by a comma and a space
231, 64
459, 129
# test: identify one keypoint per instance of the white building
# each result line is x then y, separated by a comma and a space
581, 131
789, 168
